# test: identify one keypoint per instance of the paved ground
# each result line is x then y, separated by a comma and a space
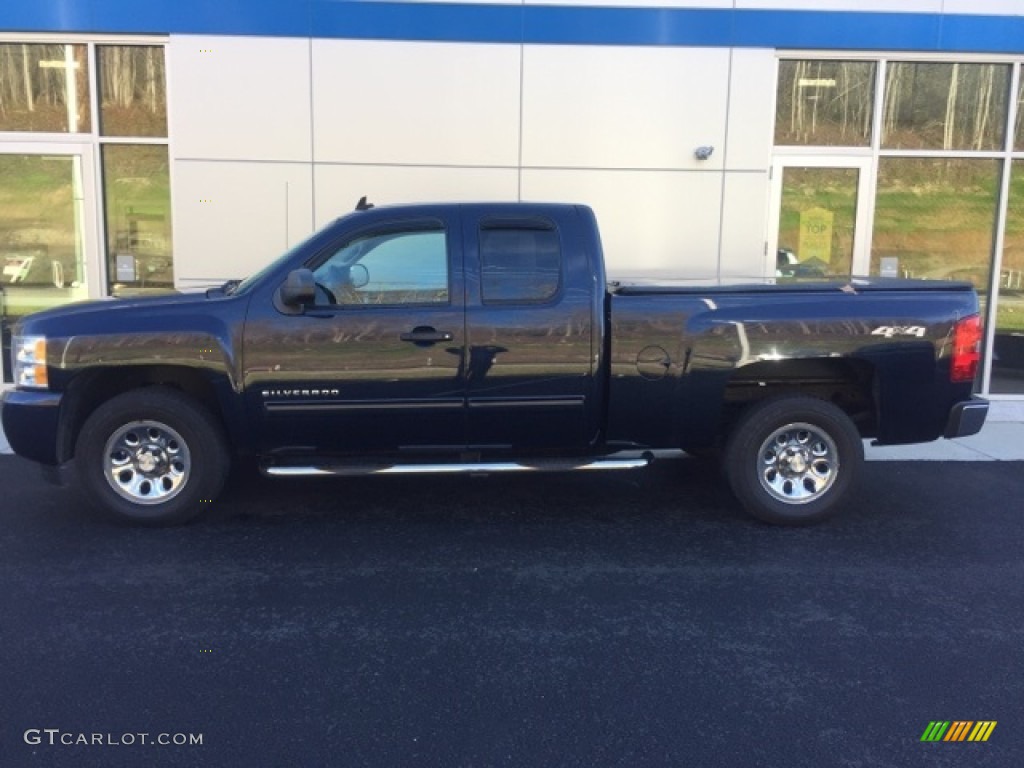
1001, 439
601, 620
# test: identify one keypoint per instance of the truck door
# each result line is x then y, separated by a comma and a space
529, 333
375, 365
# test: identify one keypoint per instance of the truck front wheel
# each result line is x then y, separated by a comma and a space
791, 460
152, 456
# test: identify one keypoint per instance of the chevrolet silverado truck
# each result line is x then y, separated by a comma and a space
483, 338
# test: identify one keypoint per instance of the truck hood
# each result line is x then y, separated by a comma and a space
124, 314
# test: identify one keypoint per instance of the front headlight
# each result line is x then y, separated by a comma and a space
29, 353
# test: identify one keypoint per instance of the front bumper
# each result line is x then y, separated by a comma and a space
966, 418
31, 421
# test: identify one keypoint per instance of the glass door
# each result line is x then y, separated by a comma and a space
819, 218
48, 236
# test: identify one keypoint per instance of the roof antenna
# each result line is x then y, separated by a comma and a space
362, 205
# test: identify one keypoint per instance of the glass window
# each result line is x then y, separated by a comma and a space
825, 103
387, 268
137, 197
816, 222
945, 106
1008, 347
1019, 142
519, 264
44, 88
42, 250
133, 97
934, 219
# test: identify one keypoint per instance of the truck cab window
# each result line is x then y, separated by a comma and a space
386, 268
519, 265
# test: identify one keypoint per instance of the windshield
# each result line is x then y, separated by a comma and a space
253, 279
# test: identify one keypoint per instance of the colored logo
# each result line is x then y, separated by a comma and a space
958, 730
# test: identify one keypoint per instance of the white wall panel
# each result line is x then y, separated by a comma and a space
744, 220
463, 2
751, 109
650, 221
611, 107
239, 98
635, 3
420, 103
895, 6
339, 187
230, 219
997, 7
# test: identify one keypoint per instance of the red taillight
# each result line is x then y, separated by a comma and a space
966, 349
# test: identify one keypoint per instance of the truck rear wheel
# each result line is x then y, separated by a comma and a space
152, 456
791, 460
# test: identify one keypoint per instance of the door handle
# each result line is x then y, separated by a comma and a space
425, 336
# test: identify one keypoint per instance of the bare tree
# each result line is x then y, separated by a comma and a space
152, 87
29, 98
984, 106
796, 118
893, 97
949, 124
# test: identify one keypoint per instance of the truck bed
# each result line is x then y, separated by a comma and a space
656, 286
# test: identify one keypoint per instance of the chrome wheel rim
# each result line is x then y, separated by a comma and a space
798, 463
146, 462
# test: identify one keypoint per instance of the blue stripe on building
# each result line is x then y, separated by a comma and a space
539, 24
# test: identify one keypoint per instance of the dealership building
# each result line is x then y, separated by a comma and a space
180, 144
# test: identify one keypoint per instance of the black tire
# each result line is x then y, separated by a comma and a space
791, 460
151, 456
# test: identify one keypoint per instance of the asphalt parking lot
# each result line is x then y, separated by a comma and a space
633, 619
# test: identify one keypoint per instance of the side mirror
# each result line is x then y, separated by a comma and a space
298, 290
358, 276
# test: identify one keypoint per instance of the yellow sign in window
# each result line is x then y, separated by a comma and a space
816, 236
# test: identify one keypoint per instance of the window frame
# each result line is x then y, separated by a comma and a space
850, 58
524, 223
421, 225
96, 76
883, 104
1006, 154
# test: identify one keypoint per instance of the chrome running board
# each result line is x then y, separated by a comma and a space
481, 468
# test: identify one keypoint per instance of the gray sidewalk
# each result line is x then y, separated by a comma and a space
1002, 439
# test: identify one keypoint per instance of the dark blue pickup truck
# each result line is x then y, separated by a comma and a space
485, 338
